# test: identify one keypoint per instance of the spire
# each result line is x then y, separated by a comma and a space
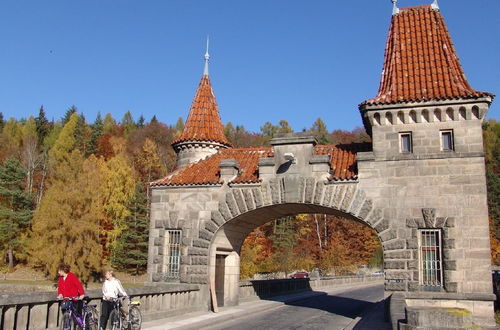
435, 5
203, 123
395, 9
207, 57
420, 62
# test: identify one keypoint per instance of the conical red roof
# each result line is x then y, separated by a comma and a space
420, 61
203, 122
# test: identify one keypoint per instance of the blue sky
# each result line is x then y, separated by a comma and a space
270, 59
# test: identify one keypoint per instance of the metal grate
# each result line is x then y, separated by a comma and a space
173, 250
430, 256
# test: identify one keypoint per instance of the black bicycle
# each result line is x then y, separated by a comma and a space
132, 320
72, 320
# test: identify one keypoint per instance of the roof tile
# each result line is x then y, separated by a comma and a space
420, 61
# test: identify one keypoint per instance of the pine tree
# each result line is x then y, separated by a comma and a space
96, 133
71, 110
15, 207
2, 122
154, 120
108, 124
131, 250
42, 125
141, 121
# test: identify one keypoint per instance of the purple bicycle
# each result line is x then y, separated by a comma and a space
72, 320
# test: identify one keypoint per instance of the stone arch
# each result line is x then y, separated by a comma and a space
242, 209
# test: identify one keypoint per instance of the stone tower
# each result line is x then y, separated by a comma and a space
203, 132
427, 166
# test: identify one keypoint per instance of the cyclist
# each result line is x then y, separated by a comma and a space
69, 286
111, 290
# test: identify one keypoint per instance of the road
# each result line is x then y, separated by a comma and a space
332, 311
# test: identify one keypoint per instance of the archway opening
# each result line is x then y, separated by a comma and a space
281, 241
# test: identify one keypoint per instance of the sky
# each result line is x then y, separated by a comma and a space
270, 59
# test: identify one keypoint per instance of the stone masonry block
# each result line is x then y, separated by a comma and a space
395, 244
224, 211
348, 196
192, 251
247, 195
211, 226
328, 195
238, 196
157, 241
217, 218
159, 224
266, 194
396, 274
374, 217
410, 223
201, 243
257, 195
199, 260
338, 195
412, 264
450, 222
205, 235
231, 204
309, 190
359, 198
318, 193
449, 243
395, 286
450, 265
440, 222
274, 185
302, 187
394, 264
365, 209
381, 225
388, 235
399, 254
411, 243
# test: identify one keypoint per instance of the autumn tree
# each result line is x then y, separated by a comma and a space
66, 224
320, 132
67, 115
15, 207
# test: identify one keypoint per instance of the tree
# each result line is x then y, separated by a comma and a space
141, 121
131, 249
117, 184
154, 120
66, 224
1, 122
15, 207
108, 124
179, 125
320, 132
71, 110
42, 125
95, 134
128, 122
284, 127
30, 155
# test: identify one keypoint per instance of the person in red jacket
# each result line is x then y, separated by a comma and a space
69, 286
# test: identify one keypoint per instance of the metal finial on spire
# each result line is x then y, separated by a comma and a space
435, 5
207, 57
395, 9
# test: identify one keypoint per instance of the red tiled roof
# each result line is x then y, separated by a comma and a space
420, 61
207, 171
203, 122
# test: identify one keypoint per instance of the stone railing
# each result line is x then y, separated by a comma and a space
261, 289
41, 311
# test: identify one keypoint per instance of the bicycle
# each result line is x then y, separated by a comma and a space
72, 320
131, 321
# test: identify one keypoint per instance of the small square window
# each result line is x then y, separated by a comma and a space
405, 142
447, 140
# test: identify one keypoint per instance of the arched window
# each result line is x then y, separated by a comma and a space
462, 113
376, 119
388, 118
449, 114
425, 116
413, 116
437, 115
475, 111
401, 117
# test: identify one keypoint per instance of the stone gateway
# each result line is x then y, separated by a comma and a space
420, 184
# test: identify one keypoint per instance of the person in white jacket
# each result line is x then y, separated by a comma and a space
111, 290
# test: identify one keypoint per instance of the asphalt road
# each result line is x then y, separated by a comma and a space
333, 311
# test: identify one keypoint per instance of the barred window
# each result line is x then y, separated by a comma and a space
173, 253
430, 257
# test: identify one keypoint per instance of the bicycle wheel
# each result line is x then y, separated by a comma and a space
66, 322
91, 319
134, 318
115, 321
